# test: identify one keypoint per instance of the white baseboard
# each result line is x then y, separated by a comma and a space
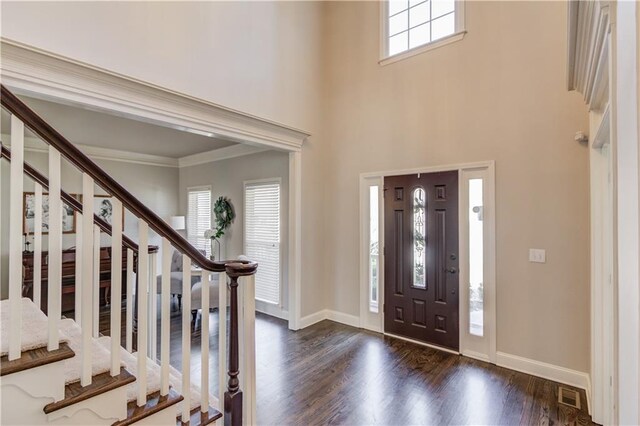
546, 371
313, 318
336, 316
352, 320
272, 310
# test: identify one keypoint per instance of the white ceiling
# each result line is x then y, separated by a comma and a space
103, 130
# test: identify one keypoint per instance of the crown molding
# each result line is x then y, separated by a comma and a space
38, 73
225, 153
98, 153
589, 32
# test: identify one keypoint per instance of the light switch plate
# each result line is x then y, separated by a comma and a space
537, 255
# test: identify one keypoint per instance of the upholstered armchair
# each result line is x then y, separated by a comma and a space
176, 277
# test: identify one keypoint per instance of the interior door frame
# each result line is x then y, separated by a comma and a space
480, 348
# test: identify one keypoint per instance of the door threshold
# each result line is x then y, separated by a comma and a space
418, 342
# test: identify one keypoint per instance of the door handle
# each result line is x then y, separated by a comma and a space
451, 270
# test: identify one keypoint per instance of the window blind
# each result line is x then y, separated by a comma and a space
199, 218
262, 237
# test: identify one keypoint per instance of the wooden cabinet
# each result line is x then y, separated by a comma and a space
69, 278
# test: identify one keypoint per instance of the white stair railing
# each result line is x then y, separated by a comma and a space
186, 338
55, 249
142, 295
204, 343
15, 237
165, 330
78, 269
247, 321
116, 285
95, 305
87, 273
86, 281
37, 246
129, 303
153, 306
222, 336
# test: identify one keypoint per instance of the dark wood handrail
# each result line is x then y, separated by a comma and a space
49, 135
69, 200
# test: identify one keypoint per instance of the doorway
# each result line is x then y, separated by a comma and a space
421, 257
468, 317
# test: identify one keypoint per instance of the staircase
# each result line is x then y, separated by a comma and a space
56, 370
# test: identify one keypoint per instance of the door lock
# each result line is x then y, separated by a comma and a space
451, 270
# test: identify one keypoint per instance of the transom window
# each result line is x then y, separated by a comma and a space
411, 24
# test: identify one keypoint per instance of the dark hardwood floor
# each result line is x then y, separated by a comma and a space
330, 373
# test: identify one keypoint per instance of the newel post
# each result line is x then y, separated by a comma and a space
233, 396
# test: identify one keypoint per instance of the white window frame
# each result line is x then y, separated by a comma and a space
457, 35
272, 309
200, 188
482, 348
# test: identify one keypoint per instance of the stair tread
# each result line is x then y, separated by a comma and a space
199, 418
155, 403
35, 358
101, 383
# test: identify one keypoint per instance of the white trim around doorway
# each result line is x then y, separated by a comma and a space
483, 348
31, 71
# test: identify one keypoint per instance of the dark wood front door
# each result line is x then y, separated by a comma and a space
421, 257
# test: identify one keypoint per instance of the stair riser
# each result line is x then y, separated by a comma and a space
25, 393
20, 408
164, 417
31, 381
103, 409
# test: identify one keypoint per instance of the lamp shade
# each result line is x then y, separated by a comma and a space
177, 222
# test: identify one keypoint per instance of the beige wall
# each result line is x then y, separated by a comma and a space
226, 178
500, 94
263, 58
156, 186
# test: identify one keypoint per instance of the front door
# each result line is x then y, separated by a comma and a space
421, 257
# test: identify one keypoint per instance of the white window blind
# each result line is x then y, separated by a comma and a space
262, 236
199, 218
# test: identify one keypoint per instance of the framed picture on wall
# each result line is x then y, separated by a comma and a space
103, 208
68, 214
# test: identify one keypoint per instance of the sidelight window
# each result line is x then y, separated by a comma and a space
374, 249
419, 238
476, 258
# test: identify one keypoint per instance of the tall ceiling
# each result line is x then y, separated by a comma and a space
85, 127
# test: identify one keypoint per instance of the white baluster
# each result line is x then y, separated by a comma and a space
87, 276
204, 346
96, 281
153, 307
222, 337
55, 249
186, 338
37, 246
248, 356
129, 302
78, 272
143, 297
15, 236
116, 285
165, 317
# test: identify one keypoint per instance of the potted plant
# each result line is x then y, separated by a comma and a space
224, 216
